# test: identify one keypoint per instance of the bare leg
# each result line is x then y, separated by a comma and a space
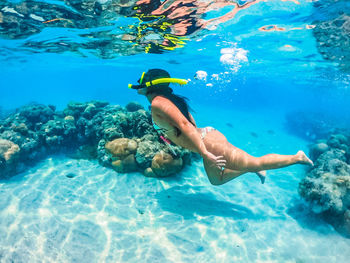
239, 162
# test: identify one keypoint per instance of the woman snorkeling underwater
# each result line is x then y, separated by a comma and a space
222, 161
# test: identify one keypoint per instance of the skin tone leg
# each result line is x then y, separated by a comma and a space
239, 162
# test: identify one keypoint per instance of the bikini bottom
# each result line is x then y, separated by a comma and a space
205, 131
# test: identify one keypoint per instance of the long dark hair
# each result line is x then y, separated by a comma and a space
165, 91
179, 101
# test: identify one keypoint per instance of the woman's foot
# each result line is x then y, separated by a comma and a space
303, 159
262, 176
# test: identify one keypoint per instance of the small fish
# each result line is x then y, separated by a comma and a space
71, 175
271, 132
229, 124
254, 134
172, 61
140, 211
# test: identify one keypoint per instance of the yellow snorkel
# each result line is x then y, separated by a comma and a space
142, 76
156, 82
166, 80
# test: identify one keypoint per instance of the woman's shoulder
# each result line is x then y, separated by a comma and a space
160, 99
160, 102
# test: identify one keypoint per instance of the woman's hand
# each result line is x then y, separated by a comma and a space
217, 161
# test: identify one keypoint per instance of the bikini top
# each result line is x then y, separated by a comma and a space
161, 132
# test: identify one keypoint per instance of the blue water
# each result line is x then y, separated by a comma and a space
103, 216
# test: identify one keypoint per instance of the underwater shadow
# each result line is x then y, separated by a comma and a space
179, 200
309, 220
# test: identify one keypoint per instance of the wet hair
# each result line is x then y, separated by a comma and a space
167, 92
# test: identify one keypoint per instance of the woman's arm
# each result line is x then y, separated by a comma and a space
168, 111
192, 120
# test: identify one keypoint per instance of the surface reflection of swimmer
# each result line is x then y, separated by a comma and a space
188, 16
222, 161
163, 25
183, 16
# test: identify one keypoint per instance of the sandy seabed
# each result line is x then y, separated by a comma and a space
65, 210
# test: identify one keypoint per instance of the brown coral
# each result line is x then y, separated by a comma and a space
128, 164
123, 150
163, 164
121, 147
8, 149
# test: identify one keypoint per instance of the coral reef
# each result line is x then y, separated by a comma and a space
4, 112
134, 106
332, 31
327, 186
120, 138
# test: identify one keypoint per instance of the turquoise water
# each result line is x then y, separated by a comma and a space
104, 216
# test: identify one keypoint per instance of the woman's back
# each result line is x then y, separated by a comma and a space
167, 116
